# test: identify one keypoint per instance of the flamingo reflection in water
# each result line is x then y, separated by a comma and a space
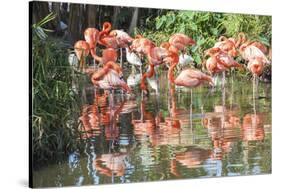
113, 164
223, 128
101, 114
253, 127
193, 157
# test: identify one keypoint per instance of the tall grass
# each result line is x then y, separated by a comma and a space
55, 105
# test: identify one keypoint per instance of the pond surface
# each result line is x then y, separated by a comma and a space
139, 139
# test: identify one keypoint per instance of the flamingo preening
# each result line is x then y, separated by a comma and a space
227, 45
91, 36
109, 41
108, 77
219, 62
155, 56
172, 53
114, 39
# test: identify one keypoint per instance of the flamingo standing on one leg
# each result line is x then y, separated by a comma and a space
219, 62
188, 78
256, 67
81, 49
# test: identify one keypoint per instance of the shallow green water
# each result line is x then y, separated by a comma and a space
149, 139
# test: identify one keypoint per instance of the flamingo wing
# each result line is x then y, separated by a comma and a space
123, 39
184, 80
252, 52
132, 58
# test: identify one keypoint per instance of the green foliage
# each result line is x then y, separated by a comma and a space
206, 28
37, 28
54, 101
203, 27
256, 27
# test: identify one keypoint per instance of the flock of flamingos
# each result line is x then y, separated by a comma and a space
107, 74
220, 58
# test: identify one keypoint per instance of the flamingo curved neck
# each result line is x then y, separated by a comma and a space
171, 76
105, 32
222, 38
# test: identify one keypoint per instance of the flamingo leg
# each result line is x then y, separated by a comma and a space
94, 61
121, 64
111, 102
157, 83
231, 103
254, 94
223, 98
141, 108
190, 106
121, 57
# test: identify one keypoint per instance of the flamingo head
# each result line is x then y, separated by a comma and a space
212, 51
165, 45
138, 36
191, 41
222, 38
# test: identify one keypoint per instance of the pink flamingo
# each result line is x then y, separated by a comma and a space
243, 41
190, 78
227, 45
180, 41
114, 39
155, 56
109, 41
91, 36
219, 62
255, 53
108, 77
81, 49
123, 41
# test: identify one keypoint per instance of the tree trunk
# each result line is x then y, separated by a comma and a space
56, 10
116, 11
40, 11
134, 21
91, 16
74, 25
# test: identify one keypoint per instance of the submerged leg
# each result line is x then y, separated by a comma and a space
254, 94
190, 109
223, 97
